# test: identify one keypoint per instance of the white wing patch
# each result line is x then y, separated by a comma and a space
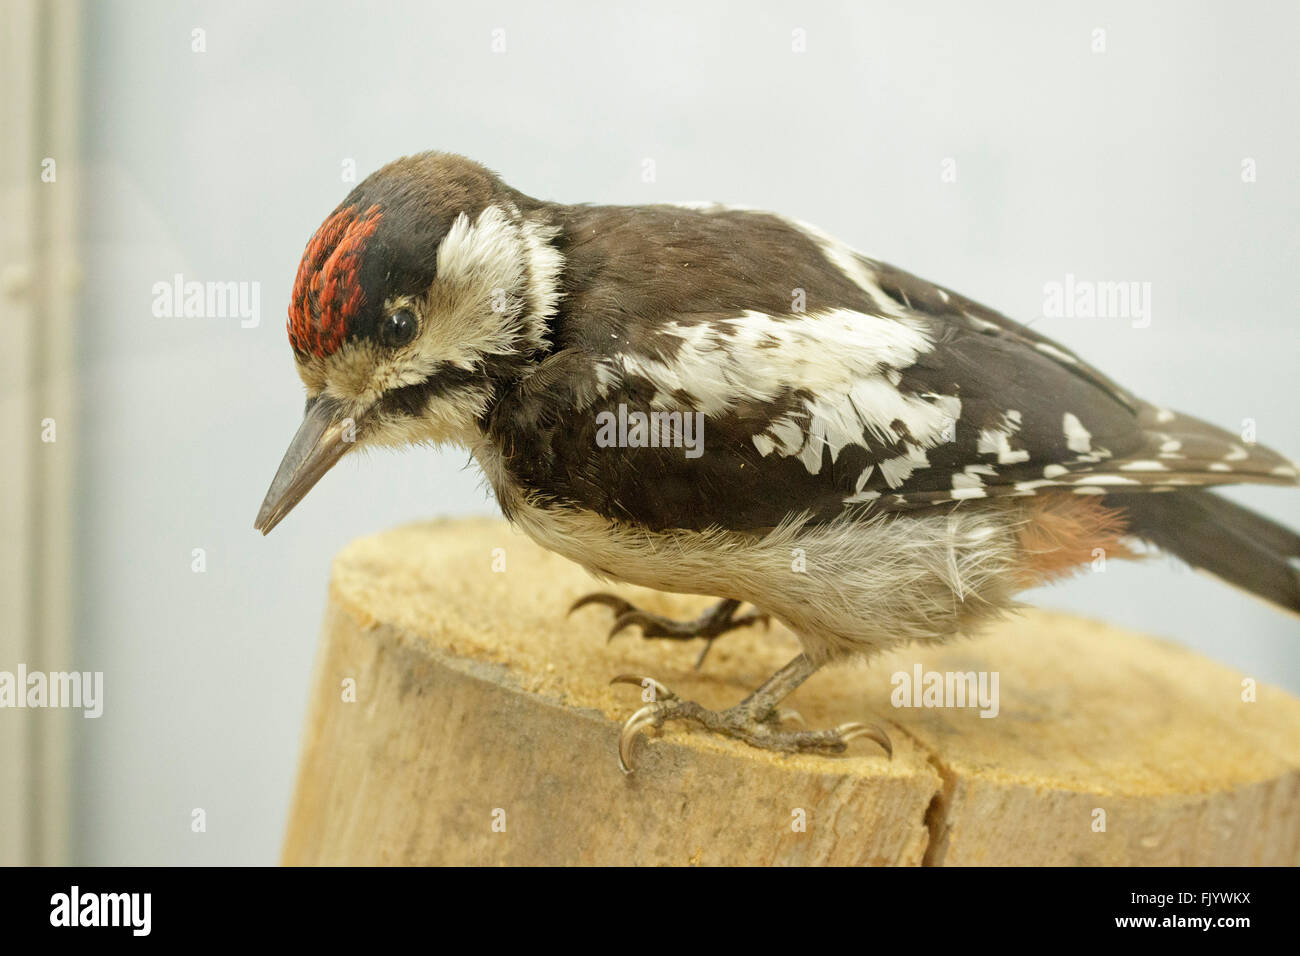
846, 363
850, 262
997, 441
835, 378
1077, 438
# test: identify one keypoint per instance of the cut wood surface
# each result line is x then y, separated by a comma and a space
458, 717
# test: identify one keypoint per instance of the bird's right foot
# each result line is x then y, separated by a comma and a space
754, 720
711, 625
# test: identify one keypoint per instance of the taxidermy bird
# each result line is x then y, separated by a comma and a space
721, 401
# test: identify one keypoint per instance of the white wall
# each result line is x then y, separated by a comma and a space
220, 165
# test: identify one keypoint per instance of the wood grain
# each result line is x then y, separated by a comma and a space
484, 730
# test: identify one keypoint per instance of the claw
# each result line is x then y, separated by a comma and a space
661, 692
708, 646
600, 597
854, 730
709, 625
627, 618
645, 717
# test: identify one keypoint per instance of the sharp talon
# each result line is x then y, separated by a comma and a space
613, 601
661, 692
793, 715
851, 731
635, 724
699, 661
625, 620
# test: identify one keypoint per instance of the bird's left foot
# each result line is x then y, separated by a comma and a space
711, 625
754, 720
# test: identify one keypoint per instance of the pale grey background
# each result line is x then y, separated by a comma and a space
1121, 165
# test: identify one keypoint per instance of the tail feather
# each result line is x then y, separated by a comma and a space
1215, 535
1205, 454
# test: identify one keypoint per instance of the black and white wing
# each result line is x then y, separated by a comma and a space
895, 395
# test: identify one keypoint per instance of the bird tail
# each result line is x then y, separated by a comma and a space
1211, 533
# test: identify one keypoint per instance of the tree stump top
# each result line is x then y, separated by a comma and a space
484, 730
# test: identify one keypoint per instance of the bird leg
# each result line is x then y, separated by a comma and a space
755, 720
712, 624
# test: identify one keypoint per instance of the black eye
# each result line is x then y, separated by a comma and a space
398, 328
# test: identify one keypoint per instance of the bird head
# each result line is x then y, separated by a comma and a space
423, 295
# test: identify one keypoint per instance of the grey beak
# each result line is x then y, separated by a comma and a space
323, 438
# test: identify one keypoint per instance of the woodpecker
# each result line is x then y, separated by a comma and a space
720, 401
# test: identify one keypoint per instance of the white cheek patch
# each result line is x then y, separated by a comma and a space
495, 288
476, 303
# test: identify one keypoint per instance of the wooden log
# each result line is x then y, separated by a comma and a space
459, 718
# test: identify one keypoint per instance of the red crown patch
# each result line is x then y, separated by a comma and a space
327, 286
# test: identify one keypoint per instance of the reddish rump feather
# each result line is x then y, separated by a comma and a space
1061, 532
